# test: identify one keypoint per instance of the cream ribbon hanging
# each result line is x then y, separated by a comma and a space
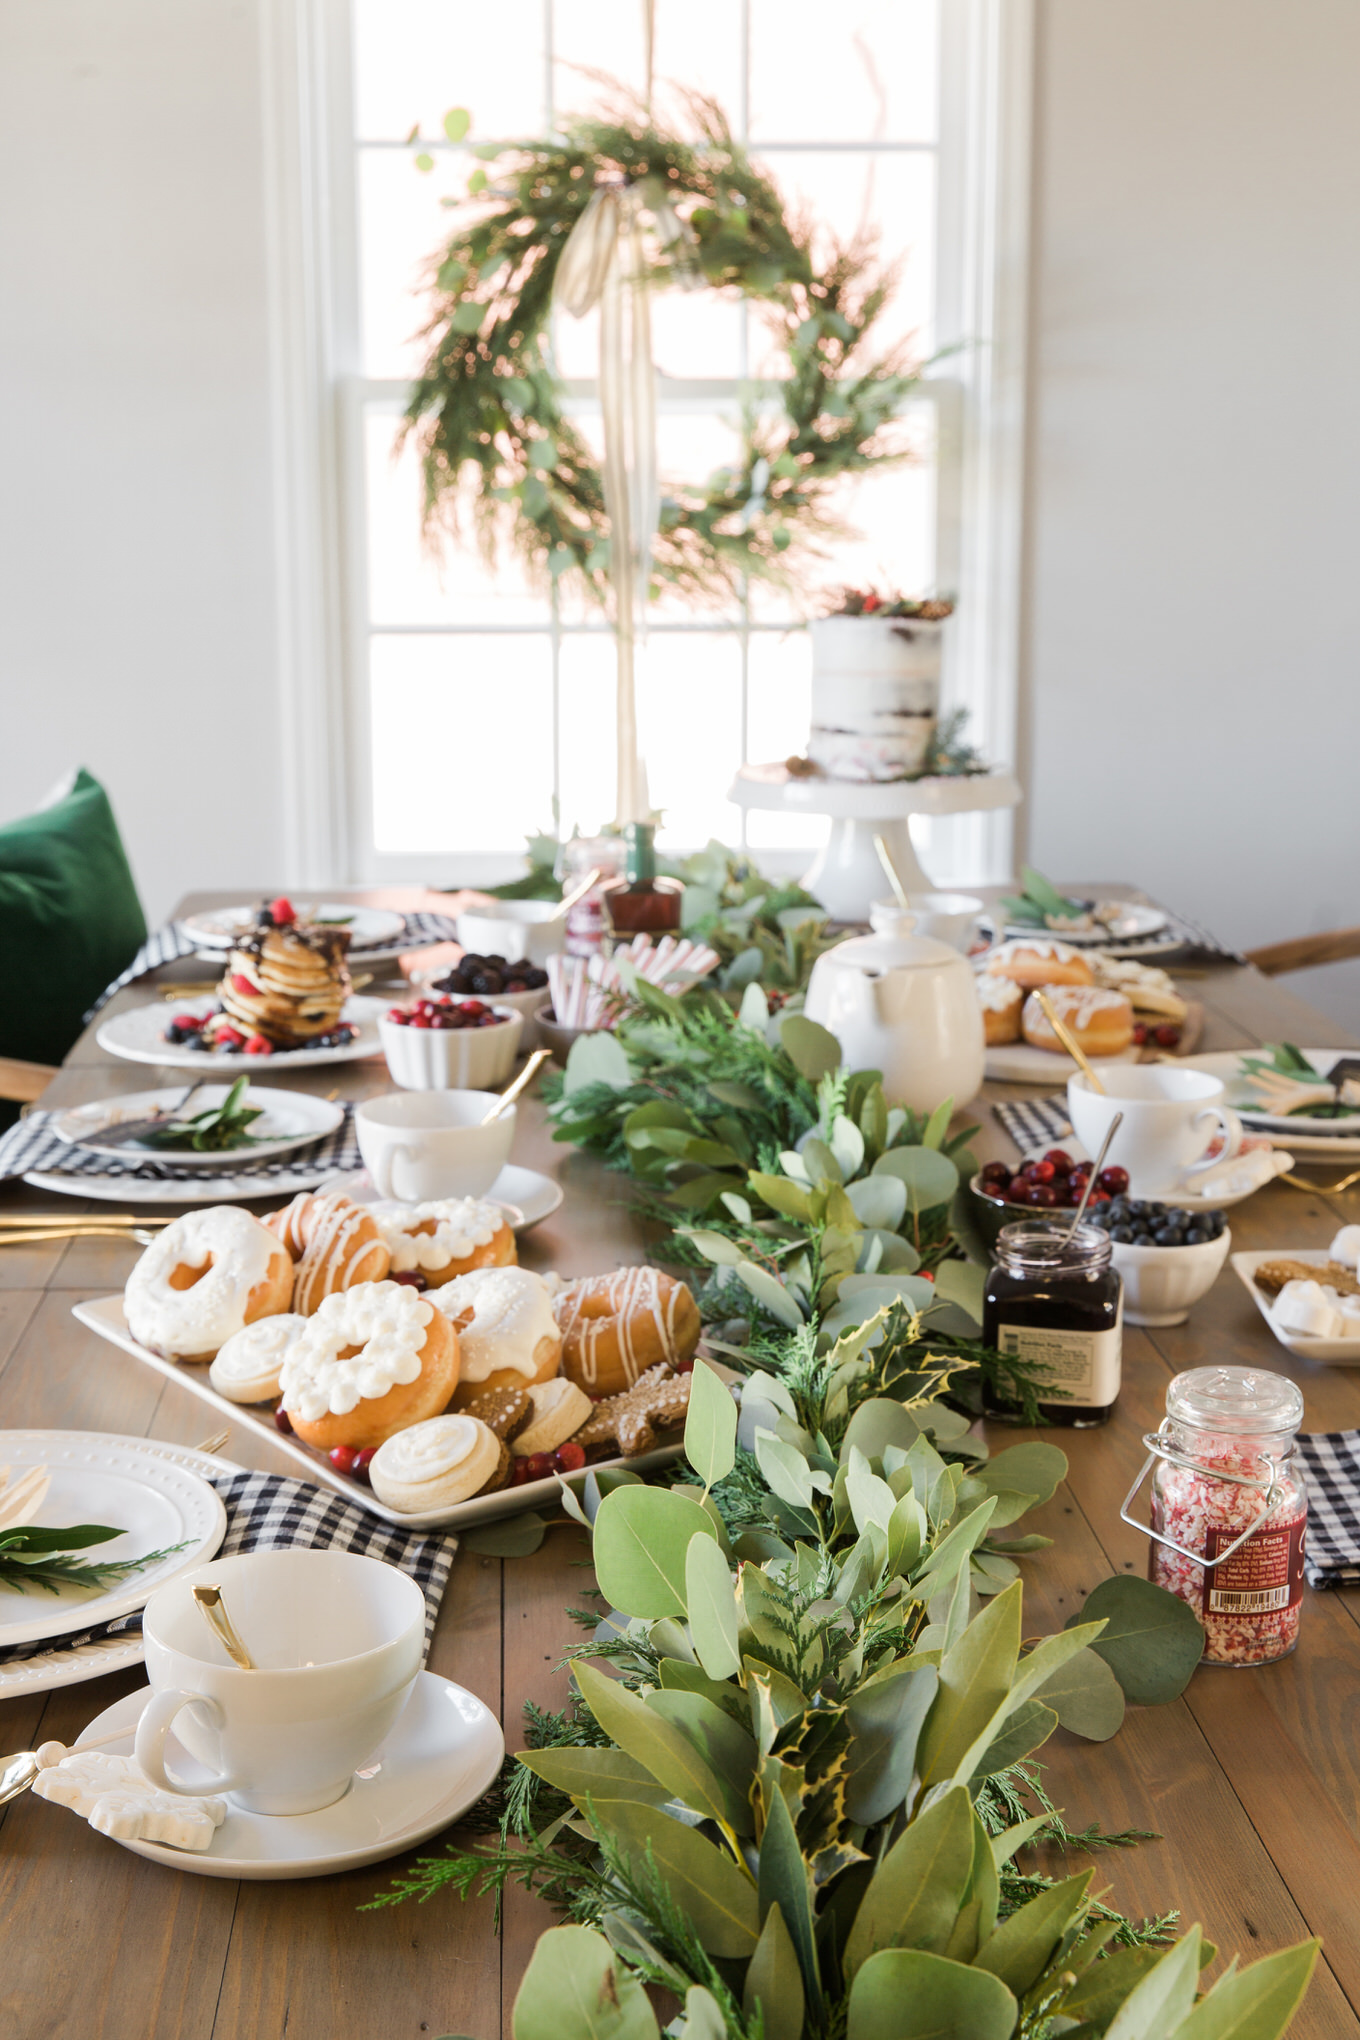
605, 263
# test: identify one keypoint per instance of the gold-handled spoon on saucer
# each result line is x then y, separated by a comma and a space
223, 1628
512, 1091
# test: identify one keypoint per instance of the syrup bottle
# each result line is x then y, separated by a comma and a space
640, 903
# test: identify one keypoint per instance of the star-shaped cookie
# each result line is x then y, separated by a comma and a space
657, 1401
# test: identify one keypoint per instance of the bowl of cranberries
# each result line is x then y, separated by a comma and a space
440, 1043
1054, 1181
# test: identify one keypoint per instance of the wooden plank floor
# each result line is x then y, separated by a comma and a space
1252, 1780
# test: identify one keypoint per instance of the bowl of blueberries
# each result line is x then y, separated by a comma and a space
520, 985
1167, 1257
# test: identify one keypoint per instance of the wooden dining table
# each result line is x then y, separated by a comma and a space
1251, 1781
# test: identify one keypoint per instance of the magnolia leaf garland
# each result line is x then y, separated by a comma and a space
488, 407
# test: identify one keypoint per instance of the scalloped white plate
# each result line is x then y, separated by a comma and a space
138, 1035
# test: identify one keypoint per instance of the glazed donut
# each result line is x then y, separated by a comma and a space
1040, 961
246, 1369
558, 1408
209, 1273
435, 1464
445, 1239
614, 1327
1000, 999
1099, 1022
507, 1334
335, 1244
369, 1361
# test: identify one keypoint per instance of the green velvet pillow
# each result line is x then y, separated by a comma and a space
70, 919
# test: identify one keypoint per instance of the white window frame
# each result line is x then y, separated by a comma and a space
320, 398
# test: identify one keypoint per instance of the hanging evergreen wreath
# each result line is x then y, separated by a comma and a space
488, 398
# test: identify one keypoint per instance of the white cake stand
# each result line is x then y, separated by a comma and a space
847, 875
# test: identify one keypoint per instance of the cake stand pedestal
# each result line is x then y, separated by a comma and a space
847, 876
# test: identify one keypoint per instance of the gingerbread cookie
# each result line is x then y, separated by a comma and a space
1272, 1276
503, 1410
657, 1401
501, 1475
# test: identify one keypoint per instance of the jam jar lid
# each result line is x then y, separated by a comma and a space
1239, 1401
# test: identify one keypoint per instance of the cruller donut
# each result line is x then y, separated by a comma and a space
614, 1327
369, 1362
209, 1274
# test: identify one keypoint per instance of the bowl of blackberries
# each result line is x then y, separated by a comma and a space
516, 983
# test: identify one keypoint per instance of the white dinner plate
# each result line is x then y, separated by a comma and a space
1306, 1135
70, 1663
104, 1315
1016, 1062
369, 927
185, 1190
528, 1196
289, 1119
441, 1755
139, 1036
1332, 1352
1136, 923
127, 1484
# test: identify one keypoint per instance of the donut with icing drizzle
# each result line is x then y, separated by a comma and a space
614, 1327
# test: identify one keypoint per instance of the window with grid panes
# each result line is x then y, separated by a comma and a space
486, 704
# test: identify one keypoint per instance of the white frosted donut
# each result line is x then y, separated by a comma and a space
507, 1333
446, 1237
559, 1408
370, 1361
434, 1464
246, 1369
209, 1273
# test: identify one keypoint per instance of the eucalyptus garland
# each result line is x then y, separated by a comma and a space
488, 405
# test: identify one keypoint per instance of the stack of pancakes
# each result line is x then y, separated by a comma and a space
288, 984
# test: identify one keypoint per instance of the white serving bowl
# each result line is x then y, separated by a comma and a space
526, 1004
1161, 1283
514, 929
452, 1058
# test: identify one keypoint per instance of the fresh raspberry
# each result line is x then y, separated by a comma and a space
257, 1045
243, 986
229, 1037
282, 912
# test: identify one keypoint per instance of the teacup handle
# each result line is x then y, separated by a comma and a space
157, 1718
1231, 1127
384, 1175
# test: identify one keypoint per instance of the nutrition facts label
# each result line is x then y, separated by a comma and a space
1266, 1574
1083, 1365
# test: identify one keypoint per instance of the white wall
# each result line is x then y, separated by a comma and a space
1194, 630
136, 552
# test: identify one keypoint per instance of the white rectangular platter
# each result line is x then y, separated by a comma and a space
104, 1315
1332, 1352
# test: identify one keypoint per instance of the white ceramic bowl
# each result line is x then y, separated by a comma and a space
513, 929
453, 1058
526, 1004
1161, 1283
422, 1145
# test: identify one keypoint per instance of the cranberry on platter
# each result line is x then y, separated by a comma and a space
570, 1457
343, 1458
1041, 1172
283, 1421
362, 1461
1167, 1036
410, 1278
540, 1465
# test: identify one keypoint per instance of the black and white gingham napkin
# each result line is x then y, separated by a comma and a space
170, 943
272, 1512
31, 1144
1331, 1461
1035, 1122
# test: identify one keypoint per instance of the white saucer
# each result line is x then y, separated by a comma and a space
528, 1196
441, 1756
1181, 1199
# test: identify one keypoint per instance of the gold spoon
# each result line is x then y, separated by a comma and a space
885, 859
223, 1628
508, 1097
1069, 1042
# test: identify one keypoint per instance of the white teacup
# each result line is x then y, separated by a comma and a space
337, 1639
1170, 1116
419, 1145
514, 929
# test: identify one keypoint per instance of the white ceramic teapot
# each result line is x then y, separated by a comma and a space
900, 1003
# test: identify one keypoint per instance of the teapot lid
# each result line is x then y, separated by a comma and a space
894, 946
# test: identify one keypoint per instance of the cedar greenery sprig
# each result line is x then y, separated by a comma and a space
488, 406
31, 1557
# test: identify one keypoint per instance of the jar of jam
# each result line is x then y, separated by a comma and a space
1230, 1509
1054, 1301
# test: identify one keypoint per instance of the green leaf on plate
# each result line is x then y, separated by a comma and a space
641, 1537
1152, 1640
